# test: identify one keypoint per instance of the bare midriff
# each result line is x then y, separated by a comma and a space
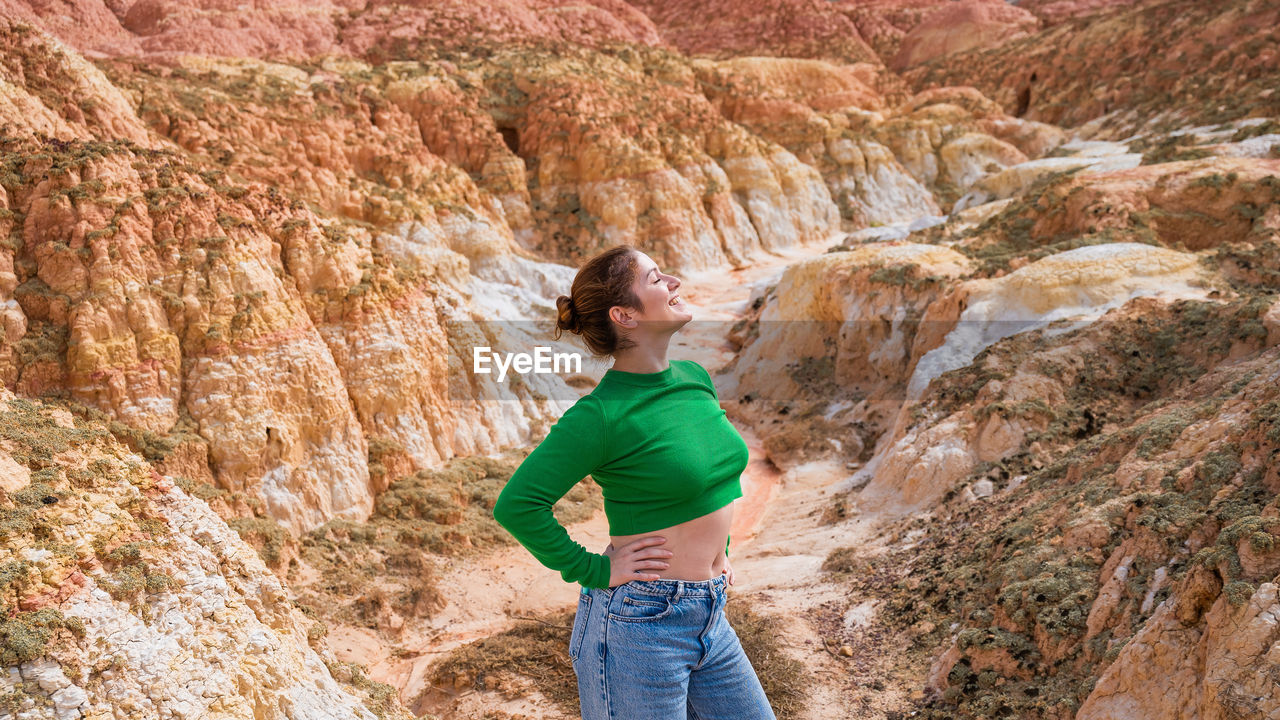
697, 546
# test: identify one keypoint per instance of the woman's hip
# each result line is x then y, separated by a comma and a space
674, 619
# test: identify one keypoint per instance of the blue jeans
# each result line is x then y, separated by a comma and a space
662, 650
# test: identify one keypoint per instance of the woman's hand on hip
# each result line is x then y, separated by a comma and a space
633, 560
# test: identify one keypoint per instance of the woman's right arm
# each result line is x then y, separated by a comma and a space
573, 448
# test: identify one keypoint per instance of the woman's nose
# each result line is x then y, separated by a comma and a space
674, 282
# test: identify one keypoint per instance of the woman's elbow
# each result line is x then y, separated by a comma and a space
506, 510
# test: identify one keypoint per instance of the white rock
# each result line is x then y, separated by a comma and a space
68, 700
47, 673
923, 223
896, 231
1258, 147
221, 630
1080, 284
860, 615
36, 555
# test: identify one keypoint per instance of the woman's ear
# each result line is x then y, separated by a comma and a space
622, 316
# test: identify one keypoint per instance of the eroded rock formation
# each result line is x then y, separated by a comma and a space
258, 245
126, 596
957, 27
1079, 409
1151, 63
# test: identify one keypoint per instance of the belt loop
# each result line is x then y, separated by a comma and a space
679, 589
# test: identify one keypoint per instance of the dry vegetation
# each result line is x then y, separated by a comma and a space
367, 571
74, 470
1020, 570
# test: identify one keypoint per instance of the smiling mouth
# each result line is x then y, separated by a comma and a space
677, 300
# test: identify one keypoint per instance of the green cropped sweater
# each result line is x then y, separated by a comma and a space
658, 445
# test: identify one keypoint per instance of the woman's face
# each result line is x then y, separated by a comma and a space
658, 293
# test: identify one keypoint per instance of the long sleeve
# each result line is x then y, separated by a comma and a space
573, 448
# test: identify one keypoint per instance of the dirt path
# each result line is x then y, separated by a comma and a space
778, 547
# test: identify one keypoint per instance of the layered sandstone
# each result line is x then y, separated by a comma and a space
939, 140
957, 27
125, 596
172, 288
836, 339
882, 164
783, 28
1157, 573
884, 23
119, 319
1062, 377
50, 89
912, 31
301, 30
1152, 63
1056, 11
826, 115
538, 140
163, 293
1221, 204
917, 462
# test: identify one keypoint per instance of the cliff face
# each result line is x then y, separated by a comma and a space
1072, 384
1107, 524
786, 28
1157, 64
167, 266
168, 270
296, 30
962, 26
124, 596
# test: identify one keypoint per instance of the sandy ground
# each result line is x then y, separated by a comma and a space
778, 545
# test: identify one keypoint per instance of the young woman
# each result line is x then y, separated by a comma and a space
650, 640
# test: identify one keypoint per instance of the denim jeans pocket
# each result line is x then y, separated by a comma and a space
579, 627
640, 608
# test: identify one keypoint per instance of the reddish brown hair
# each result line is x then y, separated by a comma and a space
602, 282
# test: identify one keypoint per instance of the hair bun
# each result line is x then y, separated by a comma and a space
568, 318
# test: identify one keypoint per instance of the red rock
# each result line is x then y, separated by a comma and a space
211, 27
1210, 62
391, 30
304, 29
1194, 204
787, 28
88, 25
958, 27
966, 97
883, 23
1056, 11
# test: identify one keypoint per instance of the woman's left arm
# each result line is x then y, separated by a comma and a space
573, 448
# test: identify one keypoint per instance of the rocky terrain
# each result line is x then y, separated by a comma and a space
991, 289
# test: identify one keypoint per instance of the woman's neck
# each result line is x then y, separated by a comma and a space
648, 357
